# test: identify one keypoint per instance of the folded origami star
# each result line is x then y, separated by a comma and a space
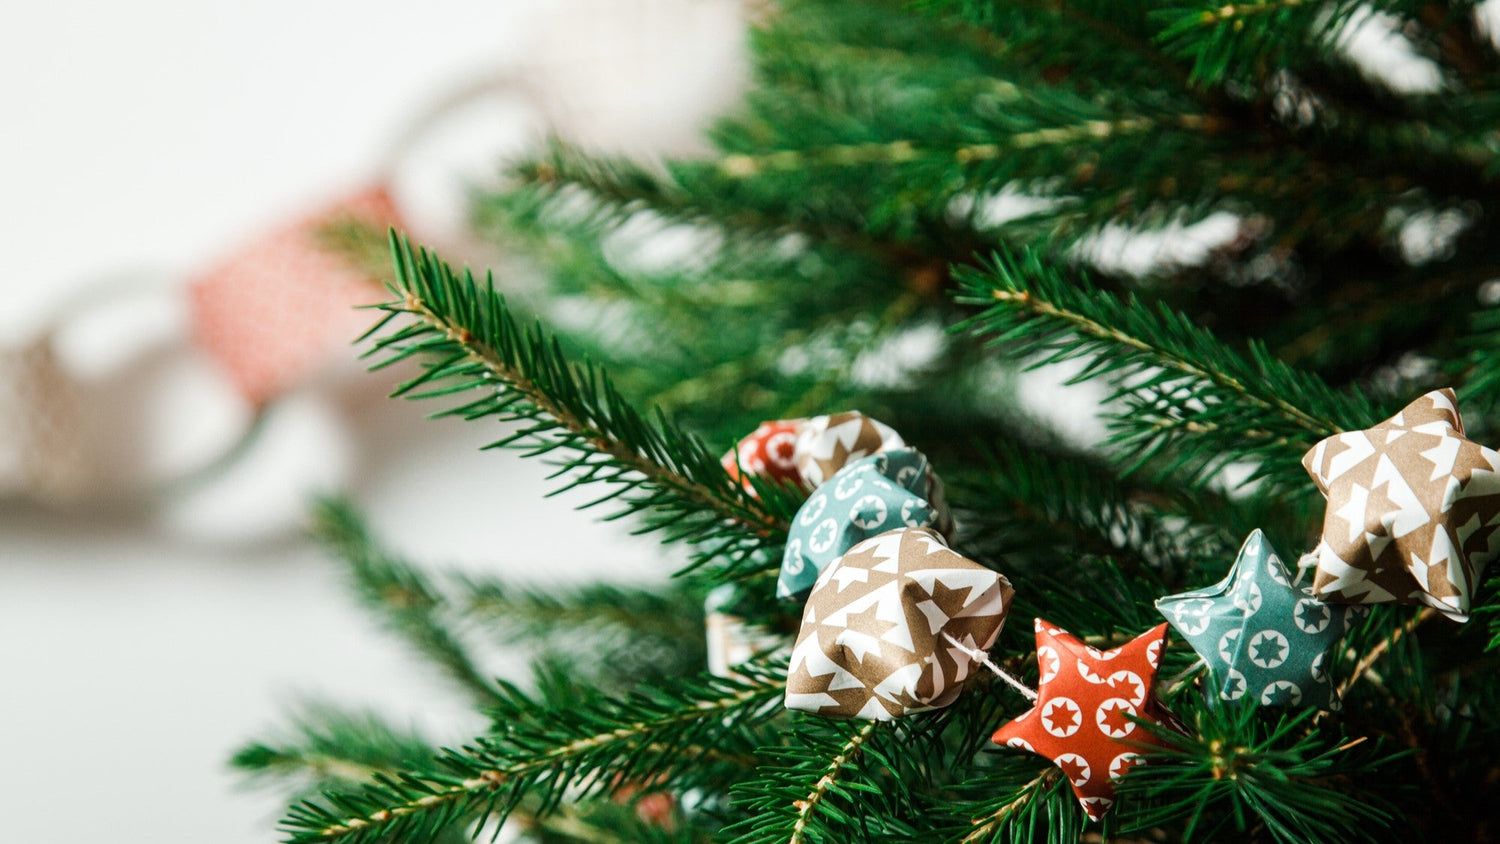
1262, 637
872, 642
825, 444
1085, 702
869, 496
768, 452
1412, 512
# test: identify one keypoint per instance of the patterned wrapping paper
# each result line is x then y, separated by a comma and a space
731, 639
46, 452
1262, 638
1084, 697
869, 496
769, 452
1413, 508
826, 444
871, 643
277, 310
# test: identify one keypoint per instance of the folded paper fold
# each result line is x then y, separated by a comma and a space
1263, 639
868, 496
768, 452
872, 643
826, 444
1413, 509
1087, 710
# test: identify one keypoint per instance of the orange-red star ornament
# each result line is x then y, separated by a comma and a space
769, 452
1085, 704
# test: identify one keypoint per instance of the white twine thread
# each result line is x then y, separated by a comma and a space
1188, 672
984, 659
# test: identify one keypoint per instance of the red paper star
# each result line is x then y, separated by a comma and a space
1082, 718
768, 452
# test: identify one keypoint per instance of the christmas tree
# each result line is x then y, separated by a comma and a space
916, 203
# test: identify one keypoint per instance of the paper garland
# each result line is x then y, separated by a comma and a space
867, 497
274, 312
871, 643
1413, 517
1413, 509
1086, 699
1263, 638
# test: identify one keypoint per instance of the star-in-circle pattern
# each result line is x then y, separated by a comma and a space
1262, 638
1087, 708
869, 496
871, 643
769, 452
1413, 510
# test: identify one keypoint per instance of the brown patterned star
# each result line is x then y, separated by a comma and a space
872, 640
1413, 510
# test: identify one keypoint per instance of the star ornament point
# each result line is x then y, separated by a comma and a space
874, 641
1267, 646
1413, 510
1087, 708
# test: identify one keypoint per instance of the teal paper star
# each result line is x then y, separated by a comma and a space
1261, 636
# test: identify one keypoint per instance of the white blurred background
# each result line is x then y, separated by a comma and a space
143, 638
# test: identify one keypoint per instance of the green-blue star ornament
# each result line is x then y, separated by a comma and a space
1261, 637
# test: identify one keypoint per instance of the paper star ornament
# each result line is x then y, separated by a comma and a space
869, 496
1263, 638
732, 640
825, 444
1412, 512
871, 643
769, 452
1085, 701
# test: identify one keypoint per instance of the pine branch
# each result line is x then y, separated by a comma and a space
1032, 501
610, 822
808, 806
403, 597
328, 747
678, 737
1374, 654
466, 340
1186, 396
797, 802
590, 609
1224, 40
742, 166
1017, 805
1238, 770
1481, 345
615, 633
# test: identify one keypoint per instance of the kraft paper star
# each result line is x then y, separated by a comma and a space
874, 637
1085, 704
1413, 508
1260, 635
826, 444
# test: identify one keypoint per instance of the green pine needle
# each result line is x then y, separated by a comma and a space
463, 336
692, 733
1187, 398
